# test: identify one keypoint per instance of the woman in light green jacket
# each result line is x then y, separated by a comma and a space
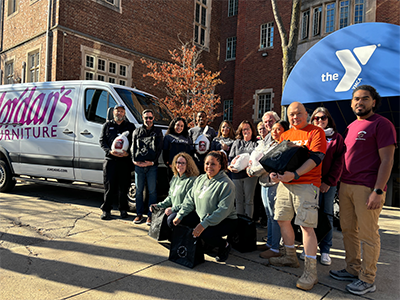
185, 172
209, 206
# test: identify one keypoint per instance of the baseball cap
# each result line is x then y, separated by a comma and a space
119, 106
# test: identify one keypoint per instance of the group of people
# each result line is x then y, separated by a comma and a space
210, 202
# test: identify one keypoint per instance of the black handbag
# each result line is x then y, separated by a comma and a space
244, 239
185, 249
159, 228
145, 149
286, 156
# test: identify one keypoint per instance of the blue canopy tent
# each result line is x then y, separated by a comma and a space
367, 53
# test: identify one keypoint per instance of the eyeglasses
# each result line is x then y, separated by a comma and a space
148, 118
323, 118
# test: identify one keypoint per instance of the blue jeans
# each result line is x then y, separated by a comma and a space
268, 195
142, 175
326, 201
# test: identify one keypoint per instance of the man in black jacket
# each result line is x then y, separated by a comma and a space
117, 166
147, 142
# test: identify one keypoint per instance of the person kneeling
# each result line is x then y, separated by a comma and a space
209, 206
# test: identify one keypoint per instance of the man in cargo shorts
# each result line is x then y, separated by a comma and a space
370, 143
298, 192
117, 166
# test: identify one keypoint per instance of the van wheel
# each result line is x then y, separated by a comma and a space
7, 182
132, 198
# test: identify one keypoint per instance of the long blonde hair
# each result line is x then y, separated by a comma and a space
191, 168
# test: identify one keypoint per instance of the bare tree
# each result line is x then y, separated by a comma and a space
288, 43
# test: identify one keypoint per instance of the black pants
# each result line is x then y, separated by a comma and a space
117, 180
212, 235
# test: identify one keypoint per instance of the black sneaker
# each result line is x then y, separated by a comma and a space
124, 214
105, 215
342, 275
360, 287
223, 253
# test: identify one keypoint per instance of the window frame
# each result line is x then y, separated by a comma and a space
233, 7
267, 35
116, 5
202, 23
305, 28
332, 22
345, 9
231, 48
33, 53
317, 24
228, 110
9, 77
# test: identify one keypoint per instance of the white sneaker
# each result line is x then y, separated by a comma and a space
326, 259
302, 255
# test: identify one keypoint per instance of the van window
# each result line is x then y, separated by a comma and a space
96, 104
137, 102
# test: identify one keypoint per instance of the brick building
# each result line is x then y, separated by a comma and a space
105, 39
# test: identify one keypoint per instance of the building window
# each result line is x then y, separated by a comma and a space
33, 66
12, 6
305, 19
359, 11
267, 35
101, 65
202, 22
317, 21
344, 14
9, 72
330, 18
111, 4
264, 104
228, 110
231, 48
105, 67
122, 82
232, 8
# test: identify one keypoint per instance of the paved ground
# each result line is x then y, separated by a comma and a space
54, 246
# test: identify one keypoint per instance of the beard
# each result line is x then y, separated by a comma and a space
362, 113
119, 118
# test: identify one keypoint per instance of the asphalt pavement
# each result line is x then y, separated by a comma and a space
53, 245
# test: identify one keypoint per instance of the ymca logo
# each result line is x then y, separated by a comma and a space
351, 66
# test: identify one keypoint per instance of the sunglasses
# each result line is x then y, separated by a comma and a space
323, 118
148, 118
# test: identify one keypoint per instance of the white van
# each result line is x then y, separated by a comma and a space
51, 130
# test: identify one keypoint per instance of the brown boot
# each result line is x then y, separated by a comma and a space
289, 259
309, 278
269, 253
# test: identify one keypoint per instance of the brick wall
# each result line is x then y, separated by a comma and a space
388, 11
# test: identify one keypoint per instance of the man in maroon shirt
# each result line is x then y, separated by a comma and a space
370, 142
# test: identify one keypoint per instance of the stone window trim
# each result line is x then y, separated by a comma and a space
12, 11
7, 76
202, 23
114, 5
269, 91
29, 53
124, 77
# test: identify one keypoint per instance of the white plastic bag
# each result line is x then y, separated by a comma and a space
241, 161
255, 157
121, 143
202, 144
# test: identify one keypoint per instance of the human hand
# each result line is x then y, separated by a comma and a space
232, 169
286, 177
374, 201
176, 221
116, 153
324, 187
274, 177
151, 207
198, 230
168, 211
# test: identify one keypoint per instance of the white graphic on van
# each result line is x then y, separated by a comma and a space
32, 110
351, 66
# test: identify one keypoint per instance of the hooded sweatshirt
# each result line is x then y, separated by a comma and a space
179, 187
213, 199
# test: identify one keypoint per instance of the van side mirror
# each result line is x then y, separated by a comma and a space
110, 115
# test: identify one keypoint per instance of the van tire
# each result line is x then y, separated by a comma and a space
7, 182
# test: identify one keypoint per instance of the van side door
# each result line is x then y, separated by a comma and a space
89, 156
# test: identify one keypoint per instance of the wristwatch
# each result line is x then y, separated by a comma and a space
378, 191
296, 176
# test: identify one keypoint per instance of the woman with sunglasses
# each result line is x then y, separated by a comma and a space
185, 172
332, 167
176, 140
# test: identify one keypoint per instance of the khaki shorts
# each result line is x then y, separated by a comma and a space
299, 199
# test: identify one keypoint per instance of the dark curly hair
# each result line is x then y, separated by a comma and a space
220, 157
374, 94
171, 127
